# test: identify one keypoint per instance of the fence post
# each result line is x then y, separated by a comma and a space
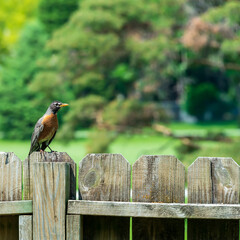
51, 190
46, 157
158, 179
213, 180
10, 190
105, 177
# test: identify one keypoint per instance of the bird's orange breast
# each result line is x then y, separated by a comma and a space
50, 123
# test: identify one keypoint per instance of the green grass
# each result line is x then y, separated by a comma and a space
203, 125
214, 149
201, 129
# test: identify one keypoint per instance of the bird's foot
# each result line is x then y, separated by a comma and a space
42, 153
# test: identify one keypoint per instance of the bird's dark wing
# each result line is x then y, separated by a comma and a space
47, 143
35, 136
52, 138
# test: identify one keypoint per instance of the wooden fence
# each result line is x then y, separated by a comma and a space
111, 206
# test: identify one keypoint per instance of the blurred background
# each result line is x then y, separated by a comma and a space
140, 76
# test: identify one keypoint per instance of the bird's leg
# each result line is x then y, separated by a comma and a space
50, 149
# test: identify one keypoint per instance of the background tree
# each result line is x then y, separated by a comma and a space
213, 55
19, 103
111, 50
54, 13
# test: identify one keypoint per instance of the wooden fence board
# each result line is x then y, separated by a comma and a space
15, 207
25, 227
74, 228
10, 189
50, 194
213, 180
105, 177
154, 210
158, 179
46, 157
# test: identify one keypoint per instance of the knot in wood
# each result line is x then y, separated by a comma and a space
90, 179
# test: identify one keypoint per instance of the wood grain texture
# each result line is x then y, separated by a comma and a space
25, 227
105, 177
46, 157
154, 210
10, 177
74, 227
10, 190
213, 180
158, 179
51, 189
15, 207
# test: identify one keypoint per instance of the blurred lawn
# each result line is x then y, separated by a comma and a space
133, 146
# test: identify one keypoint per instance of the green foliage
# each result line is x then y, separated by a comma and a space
13, 16
126, 114
54, 13
228, 16
204, 101
212, 41
228, 13
17, 110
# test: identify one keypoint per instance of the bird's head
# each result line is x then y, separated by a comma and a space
56, 105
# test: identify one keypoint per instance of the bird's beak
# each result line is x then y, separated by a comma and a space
64, 105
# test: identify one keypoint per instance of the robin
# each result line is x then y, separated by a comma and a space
46, 128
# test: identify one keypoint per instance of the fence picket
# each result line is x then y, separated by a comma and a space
50, 194
213, 180
10, 190
74, 227
25, 227
158, 179
105, 177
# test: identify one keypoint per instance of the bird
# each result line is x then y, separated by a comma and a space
46, 128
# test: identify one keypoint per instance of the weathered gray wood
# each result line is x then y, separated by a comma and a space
10, 189
46, 157
25, 227
51, 189
213, 180
158, 179
16, 207
10, 177
154, 210
74, 227
105, 177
